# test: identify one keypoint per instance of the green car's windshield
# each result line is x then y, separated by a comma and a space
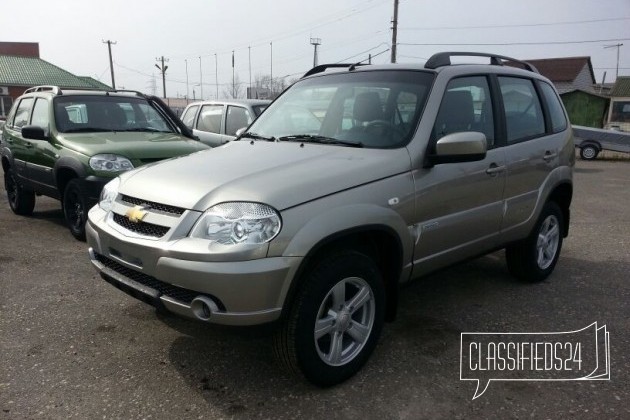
94, 113
374, 109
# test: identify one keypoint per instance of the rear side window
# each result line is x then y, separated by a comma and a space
523, 113
556, 112
23, 113
189, 116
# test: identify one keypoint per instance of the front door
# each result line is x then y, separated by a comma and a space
459, 206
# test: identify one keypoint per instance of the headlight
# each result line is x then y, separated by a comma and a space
108, 194
110, 163
238, 223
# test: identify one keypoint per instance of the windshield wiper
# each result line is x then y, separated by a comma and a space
319, 139
256, 137
145, 129
86, 130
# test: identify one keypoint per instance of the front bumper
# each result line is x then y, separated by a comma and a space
162, 274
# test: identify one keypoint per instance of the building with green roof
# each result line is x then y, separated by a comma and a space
21, 68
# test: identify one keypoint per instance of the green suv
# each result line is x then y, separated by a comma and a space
69, 144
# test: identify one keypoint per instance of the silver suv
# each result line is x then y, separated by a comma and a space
353, 182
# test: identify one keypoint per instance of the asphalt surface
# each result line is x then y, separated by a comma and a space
72, 346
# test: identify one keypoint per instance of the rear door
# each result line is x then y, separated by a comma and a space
21, 149
532, 148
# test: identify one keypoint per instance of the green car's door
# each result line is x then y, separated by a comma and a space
40, 167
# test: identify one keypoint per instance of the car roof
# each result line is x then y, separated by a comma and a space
57, 91
438, 63
246, 102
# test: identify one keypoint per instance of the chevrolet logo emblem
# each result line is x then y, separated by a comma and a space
136, 214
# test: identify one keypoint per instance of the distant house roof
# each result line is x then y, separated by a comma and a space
564, 69
621, 88
31, 71
586, 92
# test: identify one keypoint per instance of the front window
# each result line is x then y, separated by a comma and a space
620, 111
85, 113
377, 109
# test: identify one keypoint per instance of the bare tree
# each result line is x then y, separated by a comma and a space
263, 87
234, 90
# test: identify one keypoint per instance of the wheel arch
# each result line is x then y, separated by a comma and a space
65, 170
562, 195
593, 143
379, 242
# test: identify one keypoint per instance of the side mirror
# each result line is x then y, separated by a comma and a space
240, 131
467, 146
34, 132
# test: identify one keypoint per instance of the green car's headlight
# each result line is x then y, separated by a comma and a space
110, 163
238, 223
108, 194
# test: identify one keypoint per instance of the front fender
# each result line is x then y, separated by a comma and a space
336, 222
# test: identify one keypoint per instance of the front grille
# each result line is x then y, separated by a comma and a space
178, 293
164, 208
142, 228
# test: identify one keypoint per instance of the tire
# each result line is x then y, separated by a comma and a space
589, 152
75, 208
21, 201
533, 259
324, 308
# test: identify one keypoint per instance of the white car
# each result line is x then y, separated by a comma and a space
216, 122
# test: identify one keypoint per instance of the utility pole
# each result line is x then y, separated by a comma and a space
187, 93
250, 70
233, 80
315, 42
271, 71
200, 79
394, 30
618, 46
163, 68
216, 74
111, 62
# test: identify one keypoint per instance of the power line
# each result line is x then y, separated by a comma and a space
515, 43
265, 41
524, 25
364, 52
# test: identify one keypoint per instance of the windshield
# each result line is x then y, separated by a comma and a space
92, 113
376, 109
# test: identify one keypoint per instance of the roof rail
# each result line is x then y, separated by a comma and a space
444, 59
324, 67
44, 88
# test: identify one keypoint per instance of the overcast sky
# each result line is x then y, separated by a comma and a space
70, 35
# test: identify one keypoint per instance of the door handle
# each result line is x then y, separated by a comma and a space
28, 145
549, 155
495, 169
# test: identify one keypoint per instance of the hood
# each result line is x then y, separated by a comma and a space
132, 145
281, 174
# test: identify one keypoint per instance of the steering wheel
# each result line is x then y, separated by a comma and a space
385, 127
